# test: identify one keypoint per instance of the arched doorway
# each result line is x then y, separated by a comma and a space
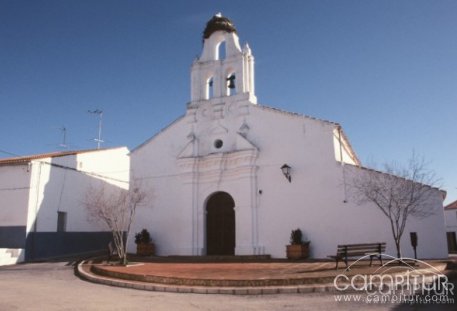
220, 224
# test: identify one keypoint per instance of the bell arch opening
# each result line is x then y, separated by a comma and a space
221, 50
231, 85
209, 88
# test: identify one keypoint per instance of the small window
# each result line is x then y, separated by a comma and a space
218, 143
61, 221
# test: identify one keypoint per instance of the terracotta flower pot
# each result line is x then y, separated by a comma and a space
297, 251
145, 249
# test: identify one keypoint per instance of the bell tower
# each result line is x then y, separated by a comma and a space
224, 70
217, 160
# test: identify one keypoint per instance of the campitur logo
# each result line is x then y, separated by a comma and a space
399, 280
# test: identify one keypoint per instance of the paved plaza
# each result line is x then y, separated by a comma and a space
54, 286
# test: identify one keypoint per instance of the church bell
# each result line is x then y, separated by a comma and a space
231, 82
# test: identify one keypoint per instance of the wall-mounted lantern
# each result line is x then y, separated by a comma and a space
286, 171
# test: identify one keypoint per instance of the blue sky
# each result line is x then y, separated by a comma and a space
384, 69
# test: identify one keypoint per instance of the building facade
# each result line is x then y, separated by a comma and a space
41, 202
217, 172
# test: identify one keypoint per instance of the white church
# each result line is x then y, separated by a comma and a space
234, 177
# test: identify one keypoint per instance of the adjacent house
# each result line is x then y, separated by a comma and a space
41, 211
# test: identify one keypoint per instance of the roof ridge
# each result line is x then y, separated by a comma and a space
296, 114
301, 115
393, 175
163, 129
54, 154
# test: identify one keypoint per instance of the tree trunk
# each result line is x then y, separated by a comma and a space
397, 245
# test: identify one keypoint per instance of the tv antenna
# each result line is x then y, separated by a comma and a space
100, 118
64, 137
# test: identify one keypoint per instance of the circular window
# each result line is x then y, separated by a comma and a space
218, 143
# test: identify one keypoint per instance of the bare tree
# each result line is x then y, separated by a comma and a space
115, 208
398, 192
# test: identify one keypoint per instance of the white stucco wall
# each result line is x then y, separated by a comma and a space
343, 153
14, 194
14, 187
60, 185
166, 213
430, 230
267, 206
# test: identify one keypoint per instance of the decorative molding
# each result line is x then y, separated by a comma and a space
220, 108
244, 129
215, 168
218, 129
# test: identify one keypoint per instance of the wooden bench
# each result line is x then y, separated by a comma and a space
346, 251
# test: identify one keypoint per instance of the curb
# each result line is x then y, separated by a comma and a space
196, 289
300, 289
209, 282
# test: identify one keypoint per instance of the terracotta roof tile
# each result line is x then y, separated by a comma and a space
452, 205
26, 159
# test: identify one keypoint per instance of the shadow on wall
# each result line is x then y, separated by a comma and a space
61, 227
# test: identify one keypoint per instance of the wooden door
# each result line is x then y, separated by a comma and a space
220, 225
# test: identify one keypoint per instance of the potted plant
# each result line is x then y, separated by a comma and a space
297, 248
144, 245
